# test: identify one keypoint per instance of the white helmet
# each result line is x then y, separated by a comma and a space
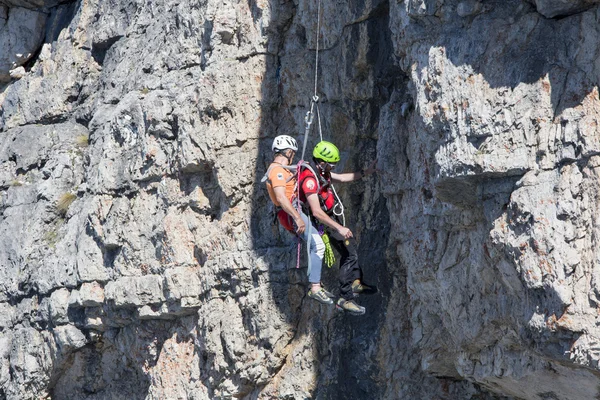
283, 142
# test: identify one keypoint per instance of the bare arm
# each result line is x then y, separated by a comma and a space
317, 212
289, 208
353, 176
346, 177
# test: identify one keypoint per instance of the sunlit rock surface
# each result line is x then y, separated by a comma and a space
139, 259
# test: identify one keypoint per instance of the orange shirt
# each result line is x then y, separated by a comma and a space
279, 176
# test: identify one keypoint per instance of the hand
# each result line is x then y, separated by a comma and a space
345, 232
300, 226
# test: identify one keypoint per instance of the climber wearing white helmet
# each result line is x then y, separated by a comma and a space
280, 185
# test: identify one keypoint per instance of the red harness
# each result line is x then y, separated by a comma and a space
309, 182
320, 185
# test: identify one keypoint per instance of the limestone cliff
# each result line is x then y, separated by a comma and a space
138, 259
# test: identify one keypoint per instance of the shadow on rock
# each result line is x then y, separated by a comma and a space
329, 354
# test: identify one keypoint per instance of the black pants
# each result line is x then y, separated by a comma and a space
349, 268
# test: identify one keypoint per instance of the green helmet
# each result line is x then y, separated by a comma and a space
327, 152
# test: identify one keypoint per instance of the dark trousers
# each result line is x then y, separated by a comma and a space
349, 268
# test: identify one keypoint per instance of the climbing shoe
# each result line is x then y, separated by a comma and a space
320, 296
328, 293
361, 288
349, 306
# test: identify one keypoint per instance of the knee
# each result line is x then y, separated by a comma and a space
319, 247
353, 257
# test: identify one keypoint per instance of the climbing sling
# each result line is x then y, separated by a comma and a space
329, 257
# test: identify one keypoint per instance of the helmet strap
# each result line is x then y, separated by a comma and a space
290, 156
320, 168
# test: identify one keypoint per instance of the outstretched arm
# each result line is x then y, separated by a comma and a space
354, 176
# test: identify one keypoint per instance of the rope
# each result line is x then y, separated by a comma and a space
339, 205
308, 120
317, 46
298, 252
319, 121
299, 209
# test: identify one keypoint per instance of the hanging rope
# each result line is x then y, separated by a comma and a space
317, 46
308, 120
319, 121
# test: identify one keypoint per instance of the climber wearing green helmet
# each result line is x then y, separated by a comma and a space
317, 193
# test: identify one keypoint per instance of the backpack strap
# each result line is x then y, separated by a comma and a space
265, 178
312, 171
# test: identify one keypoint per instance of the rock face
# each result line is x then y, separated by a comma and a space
561, 8
495, 195
21, 34
138, 256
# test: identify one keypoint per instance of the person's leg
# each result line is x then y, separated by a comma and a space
349, 267
316, 249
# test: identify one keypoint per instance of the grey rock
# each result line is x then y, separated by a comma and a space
421, 8
59, 305
69, 338
5, 342
31, 4
91, 294
30, 363
182, 282
7, 315
17, 73
138, 256
135, 291
171, 310
21, 34
156, 312
556, 8
467, 8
